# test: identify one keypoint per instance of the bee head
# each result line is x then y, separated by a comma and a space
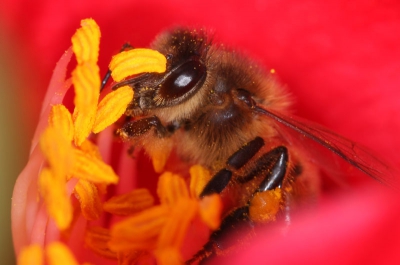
186, 72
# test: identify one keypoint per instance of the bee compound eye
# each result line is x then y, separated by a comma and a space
183, 79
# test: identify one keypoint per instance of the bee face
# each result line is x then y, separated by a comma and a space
200, 97
185, 74
217, 108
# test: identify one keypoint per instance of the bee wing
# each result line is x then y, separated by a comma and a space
352, 153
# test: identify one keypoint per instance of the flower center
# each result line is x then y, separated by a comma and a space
73, 160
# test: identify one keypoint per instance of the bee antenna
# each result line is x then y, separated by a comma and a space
105, 80
131, 81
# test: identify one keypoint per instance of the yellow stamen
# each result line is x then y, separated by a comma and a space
88, 197
58, 151
96, 238
210, 211
59, 254
169, 256
175, 229
112, 107
265, 205
139, 232
199, 177
159, 229
159, 159
60, 119
31, 255
86, 80
91, 149
129, 257
129, 203
92, 169
86, 42
136, 61
55, 196
171, 188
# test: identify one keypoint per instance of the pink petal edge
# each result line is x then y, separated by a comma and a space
29, 220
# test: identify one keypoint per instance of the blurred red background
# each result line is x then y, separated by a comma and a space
339, 59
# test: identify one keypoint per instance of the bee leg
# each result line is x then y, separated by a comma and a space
137, 128
287, 211
107, 76
244, 154
228, 235
238, 222
219, 181
275, 162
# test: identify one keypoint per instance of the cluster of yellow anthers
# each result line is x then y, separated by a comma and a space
72, 158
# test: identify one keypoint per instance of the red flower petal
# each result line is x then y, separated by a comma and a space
339, 59
357, 228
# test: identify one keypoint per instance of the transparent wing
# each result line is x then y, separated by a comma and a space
351, 152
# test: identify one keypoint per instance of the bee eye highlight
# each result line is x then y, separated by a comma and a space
183, 79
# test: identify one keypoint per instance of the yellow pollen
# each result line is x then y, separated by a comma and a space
265, 205
136, 61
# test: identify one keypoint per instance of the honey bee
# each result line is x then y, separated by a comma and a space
216, 108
